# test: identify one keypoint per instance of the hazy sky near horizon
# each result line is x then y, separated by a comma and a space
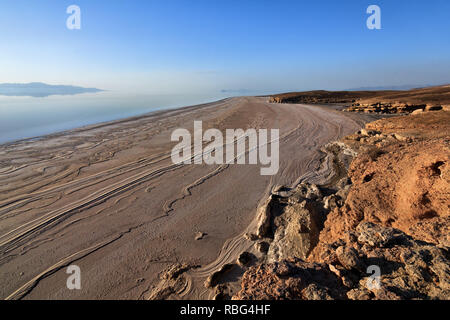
207, 46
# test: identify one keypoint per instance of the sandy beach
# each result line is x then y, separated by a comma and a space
109, 199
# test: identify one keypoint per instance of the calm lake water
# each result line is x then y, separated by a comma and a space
27, 117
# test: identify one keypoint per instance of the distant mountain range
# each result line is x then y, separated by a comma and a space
39, 89
402, 87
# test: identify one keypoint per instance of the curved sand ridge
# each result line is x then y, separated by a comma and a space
109, 199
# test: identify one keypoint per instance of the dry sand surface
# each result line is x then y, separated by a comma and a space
109, 199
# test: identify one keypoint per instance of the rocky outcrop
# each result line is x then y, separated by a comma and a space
400, 178
408, 269
392, 108
296, 223
389, 108
391, 214
297, 216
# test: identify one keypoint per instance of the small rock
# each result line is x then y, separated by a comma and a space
368, 133
349, 259
251, 236
315, 292
377, 236
199, 235
342, 183
441, 268
343, 193
309, 191
277, 188
331, 202
399, 137
220, 292
244, 258
262, 246
359, 294
139, 280
433, 107
213, 279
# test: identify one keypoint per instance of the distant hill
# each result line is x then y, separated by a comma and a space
396, 88
385, 101
39, 89
429, 95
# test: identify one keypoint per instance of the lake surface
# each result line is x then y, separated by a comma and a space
27, 117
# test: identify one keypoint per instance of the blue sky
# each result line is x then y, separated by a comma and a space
206, 46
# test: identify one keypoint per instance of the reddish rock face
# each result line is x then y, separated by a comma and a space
401, 179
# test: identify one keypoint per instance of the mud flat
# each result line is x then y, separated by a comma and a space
108, 199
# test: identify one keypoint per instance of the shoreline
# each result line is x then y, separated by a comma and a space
71, 192
110, 122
